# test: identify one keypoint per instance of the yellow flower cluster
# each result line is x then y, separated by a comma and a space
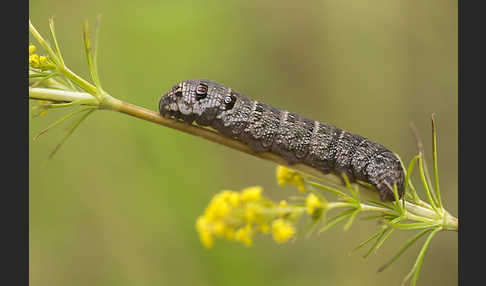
40, 62
238, 216
312, 203
282, 230
288, 176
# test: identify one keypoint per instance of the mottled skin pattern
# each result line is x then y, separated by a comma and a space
295, 138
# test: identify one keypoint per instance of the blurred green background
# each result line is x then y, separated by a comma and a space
118, 203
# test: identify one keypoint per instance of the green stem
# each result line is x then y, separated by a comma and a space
414, 212
427, 217
422, 215
60, 95
421, 211
112, 103
79, 81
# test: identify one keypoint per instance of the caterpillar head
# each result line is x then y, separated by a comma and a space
199, 100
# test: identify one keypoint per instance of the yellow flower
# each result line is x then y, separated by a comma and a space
34, 60
252, 212
284, 175
241, 215
218, 228
218, 208
251, 194
206, 239
312, 203
282, 230
31, 49
201, 223
43, 60
288, 176
234, 199
39, 62
244, 234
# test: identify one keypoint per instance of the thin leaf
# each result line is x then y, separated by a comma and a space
35, 74
329, 189
351, 219
43, 42
67, 82
95, 75
405, 186
70, 132
369, 239
420, 258
409, 182
336, 219
54, 39
381, 204
383, 238
61, 105
396, 220
373, 217
434, 155
373, 246
87, 48
348, 185
356, 189
403, 249
426, 186
366, 185
62, 119
427, 176
412, 226
396, 203
408, 196
422, 163
44, 79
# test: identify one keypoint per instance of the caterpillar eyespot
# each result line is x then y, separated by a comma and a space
229, 101
265, 128
201, 91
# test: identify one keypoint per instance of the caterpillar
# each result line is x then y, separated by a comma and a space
297, 139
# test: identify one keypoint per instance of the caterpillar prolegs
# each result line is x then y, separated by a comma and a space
265, 128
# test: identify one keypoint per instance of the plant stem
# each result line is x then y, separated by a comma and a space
211, 135
115, 104
59, 95
108, 102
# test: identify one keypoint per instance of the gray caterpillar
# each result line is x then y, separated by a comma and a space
265, 128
